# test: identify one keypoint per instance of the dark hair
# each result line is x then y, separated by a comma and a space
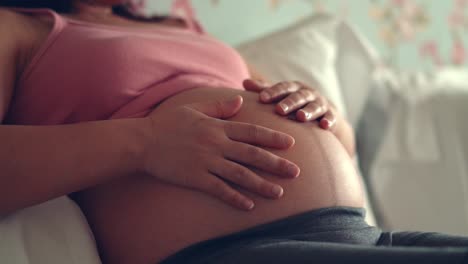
65, 6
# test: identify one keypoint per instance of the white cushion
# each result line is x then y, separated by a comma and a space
54, 232
414, 126
355, 63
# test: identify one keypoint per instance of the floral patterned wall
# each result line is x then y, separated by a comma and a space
410, 34
408, 22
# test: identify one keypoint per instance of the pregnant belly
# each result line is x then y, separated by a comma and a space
140, 220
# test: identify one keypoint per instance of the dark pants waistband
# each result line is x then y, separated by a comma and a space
333, 224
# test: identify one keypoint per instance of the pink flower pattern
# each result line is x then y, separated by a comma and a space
458, 23
458, 53
430, 49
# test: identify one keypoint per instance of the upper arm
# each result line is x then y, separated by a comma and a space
9, 50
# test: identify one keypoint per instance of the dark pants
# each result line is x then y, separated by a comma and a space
328, 235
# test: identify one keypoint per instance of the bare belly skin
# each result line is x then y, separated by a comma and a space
141, 220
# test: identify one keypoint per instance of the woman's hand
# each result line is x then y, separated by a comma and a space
191, 146
295, 97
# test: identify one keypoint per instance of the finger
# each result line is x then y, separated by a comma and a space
295, 101
219, 108
328, 121
278, 91
261, 159
257, 135
254, 85
247, 179
221, 190
312, 110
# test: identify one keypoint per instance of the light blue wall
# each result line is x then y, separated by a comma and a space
236, 21
241, 20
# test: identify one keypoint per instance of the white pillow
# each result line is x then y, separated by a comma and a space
321, 51
54, 232
355, 63
414, 127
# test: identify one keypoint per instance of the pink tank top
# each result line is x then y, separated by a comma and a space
85, 71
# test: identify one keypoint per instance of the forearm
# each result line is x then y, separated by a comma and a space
38, 163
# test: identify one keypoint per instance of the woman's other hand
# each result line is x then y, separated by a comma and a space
295, 97
191, 146
306, 104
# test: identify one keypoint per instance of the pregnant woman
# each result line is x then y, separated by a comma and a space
146, 125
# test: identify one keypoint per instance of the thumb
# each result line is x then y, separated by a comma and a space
221, 108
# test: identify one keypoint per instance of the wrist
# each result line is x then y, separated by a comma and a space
135, 142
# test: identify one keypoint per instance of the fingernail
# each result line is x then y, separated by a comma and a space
265, 96
293, 170
284, 107
277, 191
325, 123
249, 205
289, 141
233, 101
307, 115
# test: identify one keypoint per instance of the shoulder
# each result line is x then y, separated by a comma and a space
20, 34
10, 28
14, 25
9, 17
6, 13
22, 29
